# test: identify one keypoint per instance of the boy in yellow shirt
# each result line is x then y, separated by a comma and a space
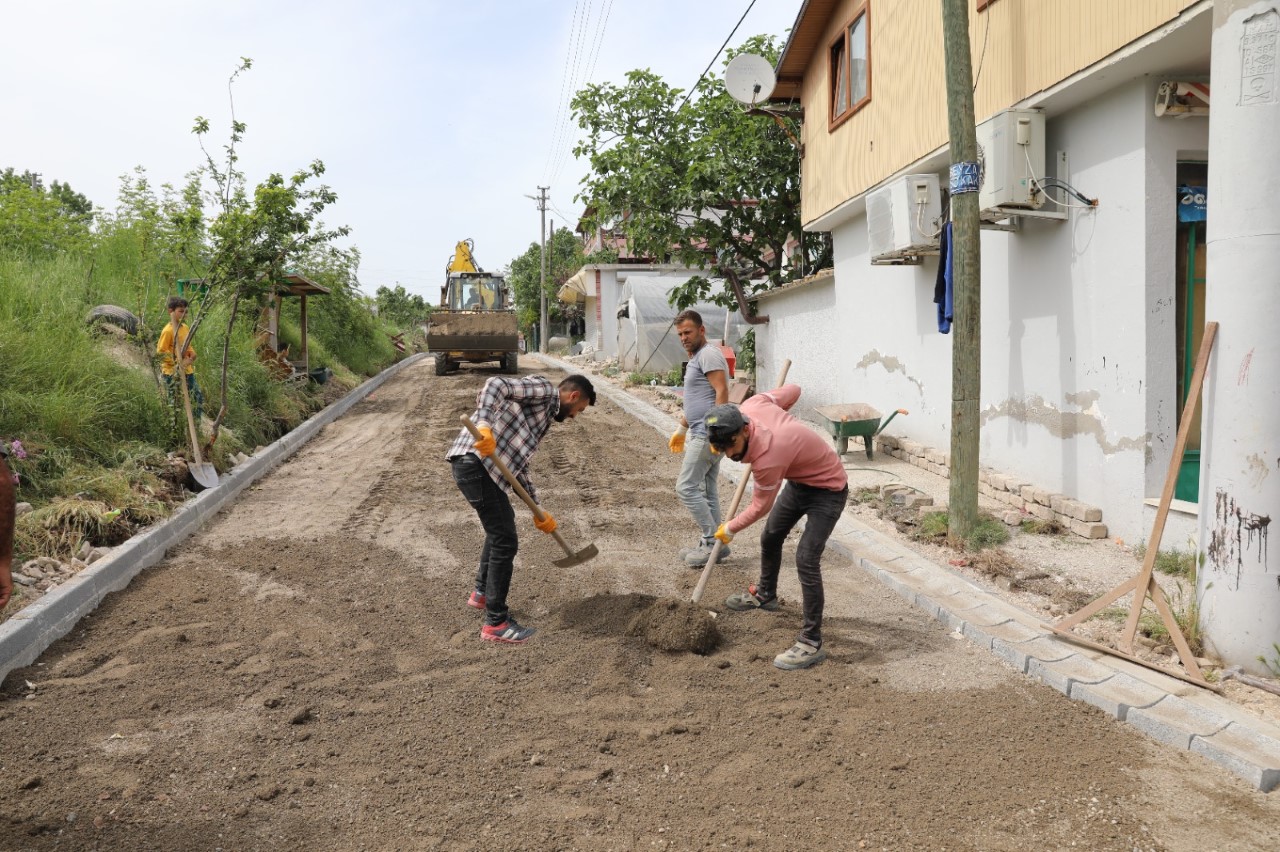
177, 307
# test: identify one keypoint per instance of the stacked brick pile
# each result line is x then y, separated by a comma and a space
1023, 498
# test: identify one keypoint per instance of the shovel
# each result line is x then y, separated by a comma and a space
571, 558
733, 508
204, 474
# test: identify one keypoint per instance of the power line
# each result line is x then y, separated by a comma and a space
689, 93
602, 24
564, 76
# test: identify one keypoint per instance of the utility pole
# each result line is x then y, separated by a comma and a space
542, 288
966, 345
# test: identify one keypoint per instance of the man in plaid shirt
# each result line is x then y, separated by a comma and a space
512, 416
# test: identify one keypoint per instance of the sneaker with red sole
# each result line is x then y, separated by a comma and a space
476, 600
508, 632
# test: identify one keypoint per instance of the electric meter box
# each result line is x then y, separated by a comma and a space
1011, 152
903, 218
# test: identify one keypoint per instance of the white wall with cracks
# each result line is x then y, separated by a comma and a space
1078, 321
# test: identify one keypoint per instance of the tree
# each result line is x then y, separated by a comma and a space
697, 180
564, 254
400, 307
254, 239
34, 220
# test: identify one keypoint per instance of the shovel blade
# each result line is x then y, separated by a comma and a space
587, 553
205, 475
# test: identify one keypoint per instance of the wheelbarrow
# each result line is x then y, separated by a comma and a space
853, 420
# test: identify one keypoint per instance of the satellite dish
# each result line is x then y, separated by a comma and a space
749, 78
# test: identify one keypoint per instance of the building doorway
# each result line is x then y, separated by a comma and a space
1193, 178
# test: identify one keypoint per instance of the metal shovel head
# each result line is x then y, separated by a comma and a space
204, 474
583, 555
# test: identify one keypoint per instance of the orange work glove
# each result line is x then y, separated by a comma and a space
485, 444
723, 534
677, 440
547, 524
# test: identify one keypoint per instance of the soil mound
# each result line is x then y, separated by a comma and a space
672, 625
666, 624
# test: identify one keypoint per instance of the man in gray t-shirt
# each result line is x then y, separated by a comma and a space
706, 383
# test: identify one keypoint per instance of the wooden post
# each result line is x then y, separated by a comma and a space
302, 312
966, 345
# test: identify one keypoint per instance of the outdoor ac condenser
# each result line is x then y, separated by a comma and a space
902, 219
1011, 151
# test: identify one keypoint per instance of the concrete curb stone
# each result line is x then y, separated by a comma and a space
26, 635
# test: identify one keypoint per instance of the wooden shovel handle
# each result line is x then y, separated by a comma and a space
505, 471
733, 505
517, 487
180, 376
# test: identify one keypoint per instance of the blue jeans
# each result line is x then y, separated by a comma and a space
497, 557
698, 486
823, 509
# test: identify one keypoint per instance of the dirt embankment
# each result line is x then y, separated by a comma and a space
305, 674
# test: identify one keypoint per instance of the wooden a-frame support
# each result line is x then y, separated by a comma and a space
1145, 583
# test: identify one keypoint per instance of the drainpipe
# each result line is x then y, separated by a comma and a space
747, 315
1239, 580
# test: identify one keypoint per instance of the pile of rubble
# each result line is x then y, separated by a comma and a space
45, 572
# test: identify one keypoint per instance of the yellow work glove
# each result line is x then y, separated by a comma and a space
547, 524
724, 535
485, 444
677, 440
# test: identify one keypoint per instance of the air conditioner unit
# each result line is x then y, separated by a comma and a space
902, 219
1011, 152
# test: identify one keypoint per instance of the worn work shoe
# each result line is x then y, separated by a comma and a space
799, 656
742, 602
698, 556
476, 599
508, 632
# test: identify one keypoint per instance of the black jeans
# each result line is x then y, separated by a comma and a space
823, 508
497, 557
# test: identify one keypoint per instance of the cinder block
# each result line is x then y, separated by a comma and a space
1061, 674
935, 456
1057, 503
1116, 695
1028, 493
1042, 512
1088, 530
986, 476
887, 441
1046, 649
1174, 721
911, 448
1249, 754
1042, 496
1089, 514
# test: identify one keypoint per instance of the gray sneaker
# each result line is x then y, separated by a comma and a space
698, 556
748, 600
799, 656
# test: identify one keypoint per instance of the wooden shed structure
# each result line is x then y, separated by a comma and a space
291, 284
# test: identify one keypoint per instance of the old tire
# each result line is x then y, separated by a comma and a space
442, 363
511, 363
114, 315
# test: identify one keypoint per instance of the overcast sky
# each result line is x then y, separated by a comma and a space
434, 119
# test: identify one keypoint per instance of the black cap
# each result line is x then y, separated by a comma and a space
723, 422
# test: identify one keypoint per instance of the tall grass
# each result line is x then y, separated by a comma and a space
93, 415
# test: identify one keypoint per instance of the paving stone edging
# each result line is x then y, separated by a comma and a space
1164, 708
25, 636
